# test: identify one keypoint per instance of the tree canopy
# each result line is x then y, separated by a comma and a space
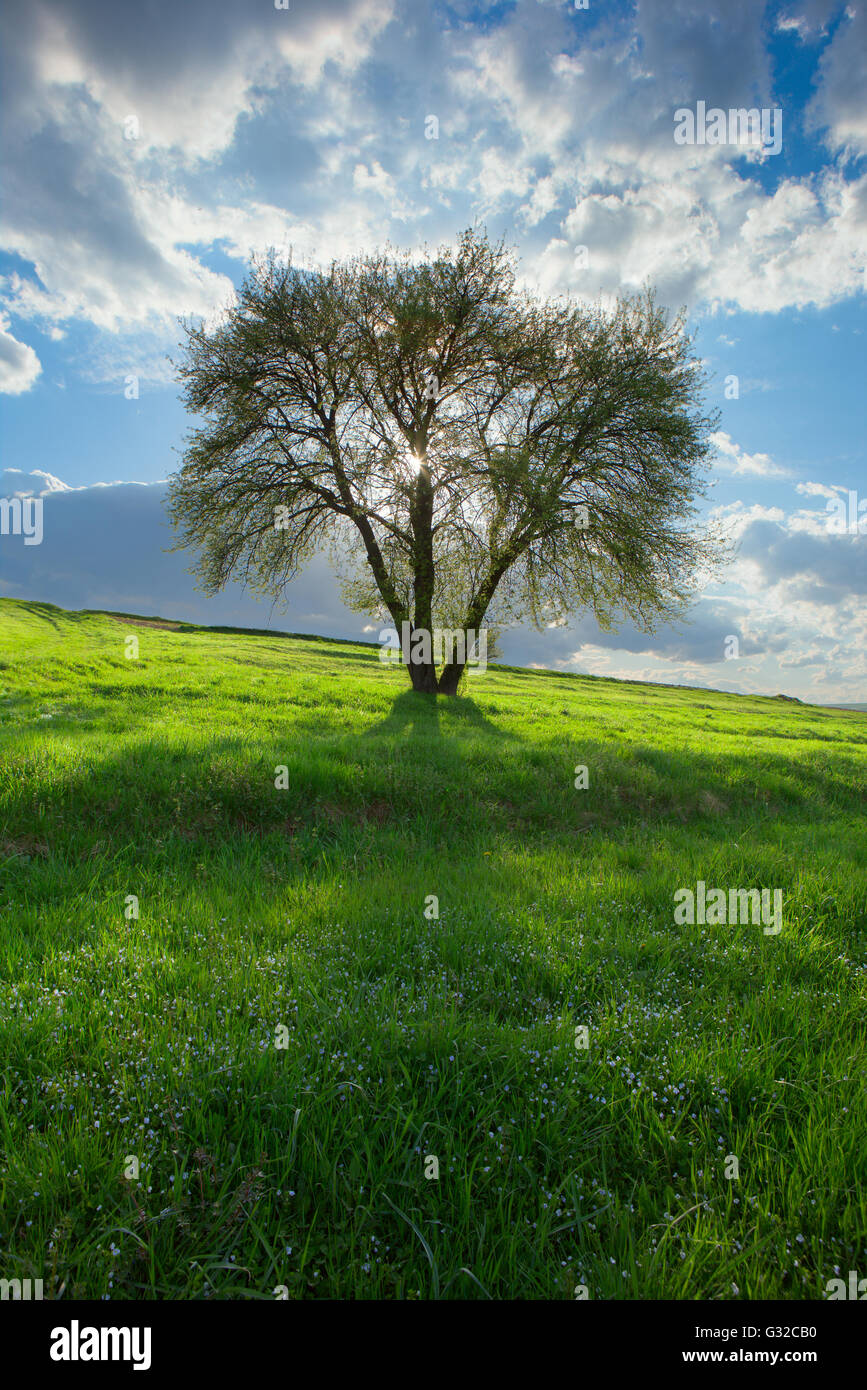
464, 449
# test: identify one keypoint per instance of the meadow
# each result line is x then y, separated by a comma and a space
236, 1028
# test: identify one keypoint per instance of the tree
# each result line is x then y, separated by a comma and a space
464, 449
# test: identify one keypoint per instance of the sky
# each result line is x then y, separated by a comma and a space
150, 150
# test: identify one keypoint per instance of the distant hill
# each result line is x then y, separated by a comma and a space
180, 625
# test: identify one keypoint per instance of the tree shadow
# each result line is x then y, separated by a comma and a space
413, 715
144, 791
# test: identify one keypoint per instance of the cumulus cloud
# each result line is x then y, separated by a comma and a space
132, 150
14, 482
19, 365
817, 490
838, 106
828, 569
731, 458
104, 125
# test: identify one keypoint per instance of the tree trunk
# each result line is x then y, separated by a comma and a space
423, 677
450, 678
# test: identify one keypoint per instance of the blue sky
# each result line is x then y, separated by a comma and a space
149, 151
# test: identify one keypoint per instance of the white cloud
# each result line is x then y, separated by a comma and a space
817, 490
839, 105
731, 458
17, 483
259, 127
19, 364
101, 217
199, 67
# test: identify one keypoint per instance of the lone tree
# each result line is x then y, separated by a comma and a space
466, 449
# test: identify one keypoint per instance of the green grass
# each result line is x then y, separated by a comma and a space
304, 1165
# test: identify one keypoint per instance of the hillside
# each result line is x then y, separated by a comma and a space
298, 1158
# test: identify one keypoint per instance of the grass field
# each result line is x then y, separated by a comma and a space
297, 915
